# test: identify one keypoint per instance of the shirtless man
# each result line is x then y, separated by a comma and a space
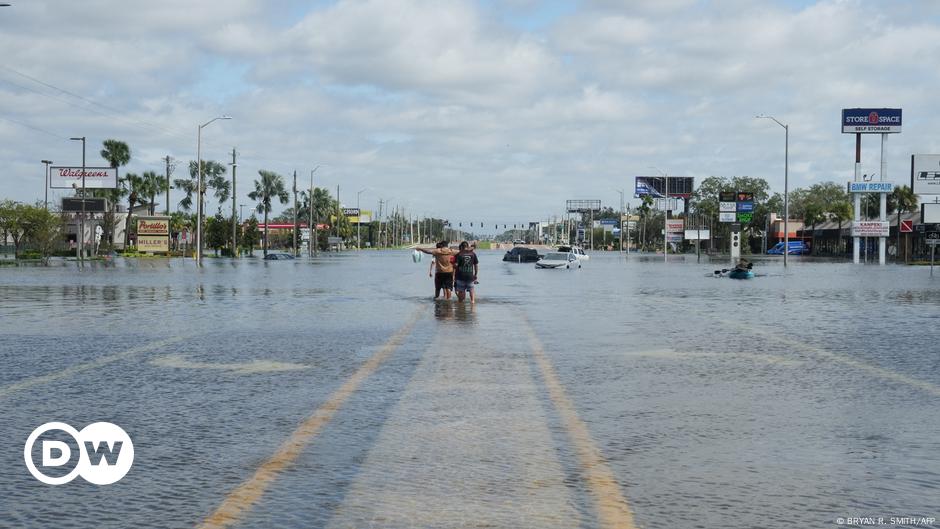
444, 278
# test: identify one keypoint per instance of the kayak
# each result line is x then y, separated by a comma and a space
741, 274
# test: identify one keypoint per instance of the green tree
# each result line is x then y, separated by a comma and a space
13, 221
152, 185
117, 154
249, 235
270, 186
135, 186
43, 230
217, 232
213, 174
906, 202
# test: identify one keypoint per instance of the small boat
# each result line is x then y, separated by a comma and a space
740, 274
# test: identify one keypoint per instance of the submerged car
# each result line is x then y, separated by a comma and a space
521, 255
576, 250
559, 260
278, 257
795, 248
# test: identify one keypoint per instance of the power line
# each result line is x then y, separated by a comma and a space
39, 129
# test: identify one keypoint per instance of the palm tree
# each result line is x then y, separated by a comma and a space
270, 186
153, 185
906, 202
117, 154
213, 173
134, 185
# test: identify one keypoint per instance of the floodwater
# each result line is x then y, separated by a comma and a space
335, 393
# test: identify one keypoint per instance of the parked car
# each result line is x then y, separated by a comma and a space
576, 250
520, 254
278, 257
796, 248
558, 260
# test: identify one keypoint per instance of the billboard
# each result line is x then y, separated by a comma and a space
654, 186
930, 213
71, 178
871, 120
925, 174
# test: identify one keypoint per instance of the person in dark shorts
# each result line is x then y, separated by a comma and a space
444, 277
466, 269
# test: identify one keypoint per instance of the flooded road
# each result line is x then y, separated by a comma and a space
335, 393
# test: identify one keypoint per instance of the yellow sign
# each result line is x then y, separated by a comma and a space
153, 243
153, 226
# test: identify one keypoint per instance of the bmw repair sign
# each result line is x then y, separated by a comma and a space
871, 120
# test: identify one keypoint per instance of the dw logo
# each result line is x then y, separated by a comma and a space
105, 453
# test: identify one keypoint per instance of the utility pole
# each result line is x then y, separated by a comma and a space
81, 235
295, 213
234, 218
337, 210
381, 231
167, 208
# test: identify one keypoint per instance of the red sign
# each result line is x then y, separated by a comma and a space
907, 226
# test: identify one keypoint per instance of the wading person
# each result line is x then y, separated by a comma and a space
466, 269
444, 277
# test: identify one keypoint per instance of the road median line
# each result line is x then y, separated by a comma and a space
613, 511
240, 500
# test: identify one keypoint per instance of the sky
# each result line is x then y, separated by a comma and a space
484, 111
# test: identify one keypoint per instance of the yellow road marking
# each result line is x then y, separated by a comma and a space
73, 370
240, 500
612, 507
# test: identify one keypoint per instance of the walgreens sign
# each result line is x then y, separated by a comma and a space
71, 177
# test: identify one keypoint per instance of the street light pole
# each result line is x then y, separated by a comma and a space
46, 202
786, 197
234, 220
81, 242
358, 221
200, 187
620, 221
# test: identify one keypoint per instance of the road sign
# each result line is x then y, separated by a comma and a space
907, 226
933, 237
870, 228
871, 187
675, 225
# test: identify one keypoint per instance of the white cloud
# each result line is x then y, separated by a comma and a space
408, 97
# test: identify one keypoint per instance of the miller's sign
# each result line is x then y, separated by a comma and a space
871, 120
71, 177
153, 226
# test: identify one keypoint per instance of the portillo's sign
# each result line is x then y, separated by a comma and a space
153, 226
71, 177
153, 234
871, 120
